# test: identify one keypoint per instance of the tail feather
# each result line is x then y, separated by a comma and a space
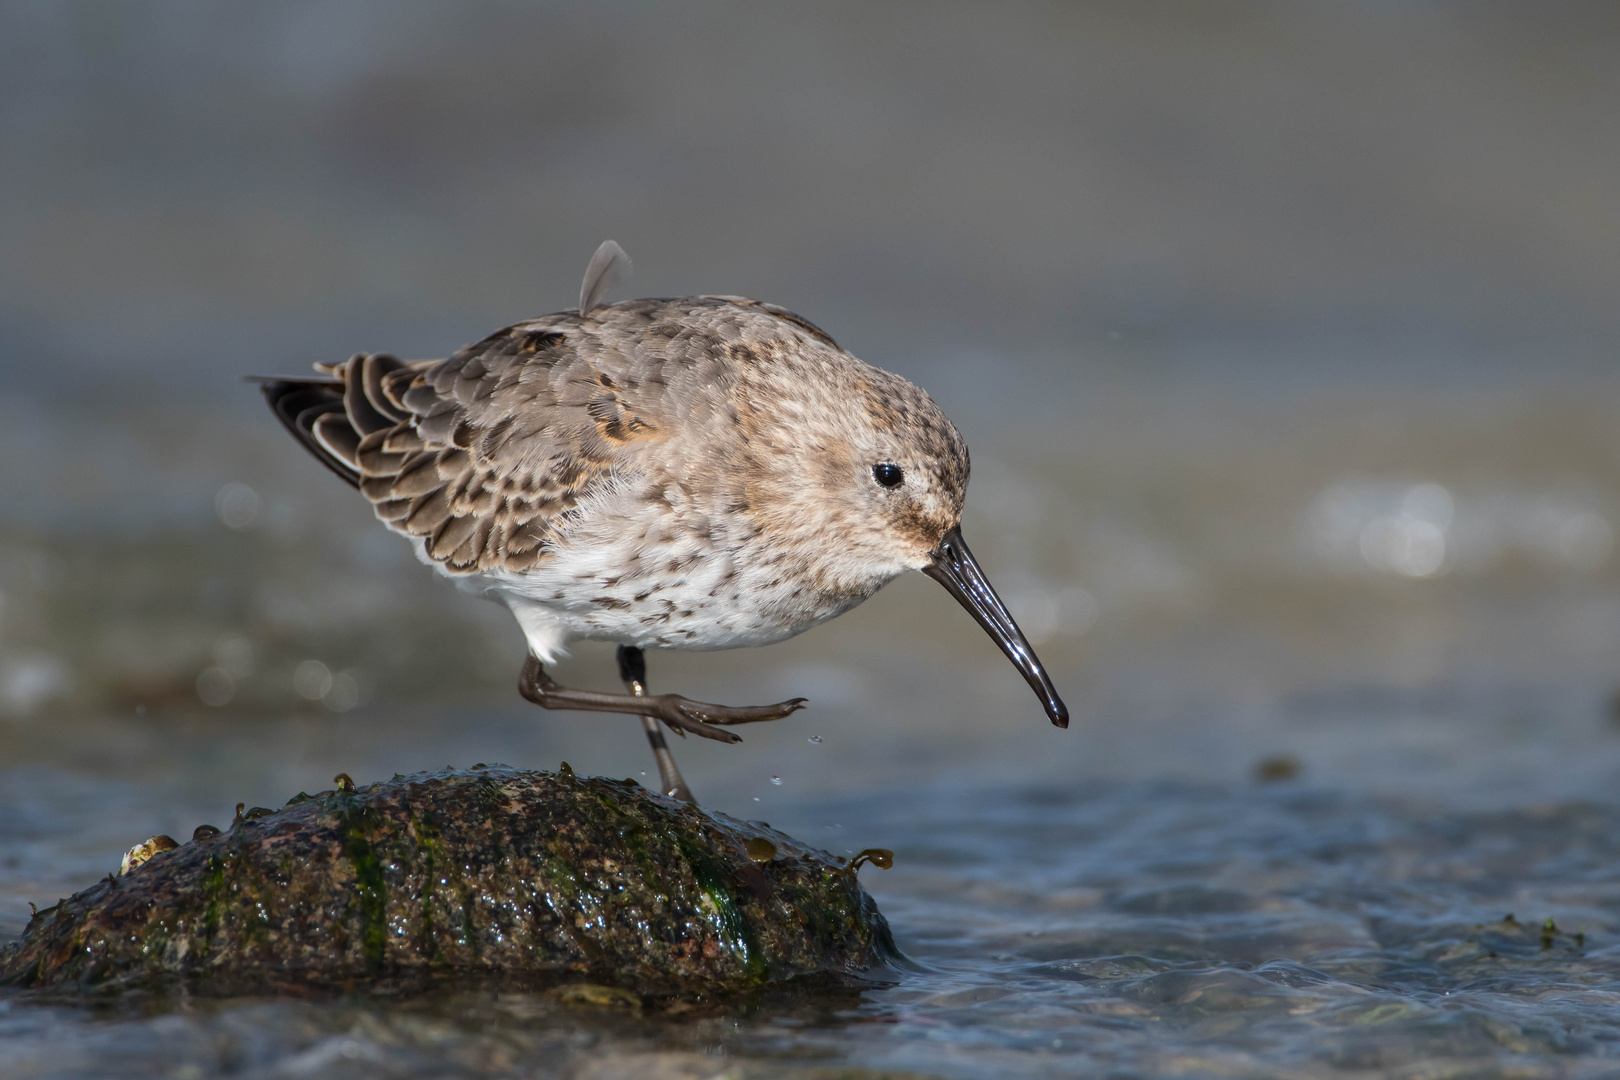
301, 404
334, 432
331, 416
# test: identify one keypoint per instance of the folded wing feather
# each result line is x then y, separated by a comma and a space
476, 454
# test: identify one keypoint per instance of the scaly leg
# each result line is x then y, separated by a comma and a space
682, 714
633, 670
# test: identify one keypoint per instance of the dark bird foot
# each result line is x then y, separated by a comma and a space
684, 714
681, 713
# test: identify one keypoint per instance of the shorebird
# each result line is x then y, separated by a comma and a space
703, 472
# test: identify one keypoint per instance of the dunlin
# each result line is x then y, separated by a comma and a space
693, 473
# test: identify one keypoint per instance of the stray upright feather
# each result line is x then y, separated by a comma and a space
609, 266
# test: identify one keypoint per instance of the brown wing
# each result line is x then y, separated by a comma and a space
477, 454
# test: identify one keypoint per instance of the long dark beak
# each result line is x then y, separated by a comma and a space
955, 568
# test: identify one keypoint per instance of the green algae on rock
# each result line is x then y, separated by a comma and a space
485, 874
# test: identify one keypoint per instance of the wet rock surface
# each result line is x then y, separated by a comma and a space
491, 874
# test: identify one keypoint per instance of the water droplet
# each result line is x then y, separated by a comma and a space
761, 849
777, 780
815, 739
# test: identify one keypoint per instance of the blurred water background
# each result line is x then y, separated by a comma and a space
1284, 338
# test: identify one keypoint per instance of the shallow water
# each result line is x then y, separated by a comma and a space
1064, 922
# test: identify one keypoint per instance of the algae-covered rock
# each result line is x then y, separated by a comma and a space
486, 874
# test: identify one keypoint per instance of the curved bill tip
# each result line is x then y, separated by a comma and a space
954, 567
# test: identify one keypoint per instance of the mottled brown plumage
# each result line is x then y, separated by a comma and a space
696, 472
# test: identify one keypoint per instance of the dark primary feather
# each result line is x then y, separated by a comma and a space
299, 404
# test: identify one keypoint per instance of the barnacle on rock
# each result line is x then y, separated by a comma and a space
144, 851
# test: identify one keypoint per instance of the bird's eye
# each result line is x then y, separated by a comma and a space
888, 474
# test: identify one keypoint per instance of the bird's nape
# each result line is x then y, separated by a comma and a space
954, 567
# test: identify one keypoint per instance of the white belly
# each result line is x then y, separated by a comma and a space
686, 590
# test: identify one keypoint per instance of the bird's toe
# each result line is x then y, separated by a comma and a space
753, 714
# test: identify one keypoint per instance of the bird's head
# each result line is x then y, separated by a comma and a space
871, 474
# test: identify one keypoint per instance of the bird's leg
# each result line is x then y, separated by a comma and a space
682, 714
633, 670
